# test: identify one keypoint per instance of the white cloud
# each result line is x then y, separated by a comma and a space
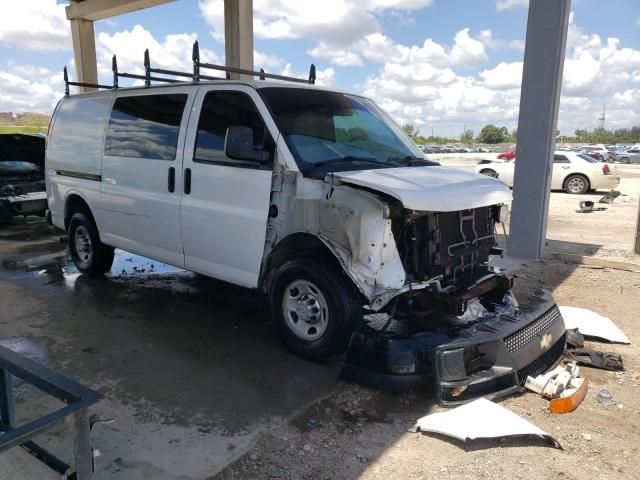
504, 75
342, 29
34, 88
426, 88
487, 39
35, 25
341, 57
505, 4
266, 61
30, 88
377, 47
467, 51
173, 53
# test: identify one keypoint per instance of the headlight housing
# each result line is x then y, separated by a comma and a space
451, 365
457, 363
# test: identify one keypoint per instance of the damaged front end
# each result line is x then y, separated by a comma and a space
437, 316
454, 326
482, 353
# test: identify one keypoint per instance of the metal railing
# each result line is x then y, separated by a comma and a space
77, 399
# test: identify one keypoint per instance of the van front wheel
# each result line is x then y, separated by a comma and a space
89, 254
316, 308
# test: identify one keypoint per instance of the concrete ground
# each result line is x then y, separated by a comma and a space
198, 384
191, 369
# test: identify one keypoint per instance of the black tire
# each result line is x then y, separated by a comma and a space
571, 184
625, 160
98, 260
343, 312
489, 172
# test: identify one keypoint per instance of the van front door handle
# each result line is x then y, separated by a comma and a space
187, 181
171, 181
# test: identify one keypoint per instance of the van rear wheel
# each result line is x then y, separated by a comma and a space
316, 308
89, 254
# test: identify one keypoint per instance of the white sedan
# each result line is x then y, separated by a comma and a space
572, 172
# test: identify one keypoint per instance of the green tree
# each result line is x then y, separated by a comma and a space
492, 134
581, 134
466, 136
411, 130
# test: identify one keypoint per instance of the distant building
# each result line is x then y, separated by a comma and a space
6, 118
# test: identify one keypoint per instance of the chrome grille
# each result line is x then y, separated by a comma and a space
528, 333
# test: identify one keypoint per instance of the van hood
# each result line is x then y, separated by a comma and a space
431, 188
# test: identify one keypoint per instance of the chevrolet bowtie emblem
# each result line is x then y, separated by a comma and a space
545, 341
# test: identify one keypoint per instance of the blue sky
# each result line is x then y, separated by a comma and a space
441, 64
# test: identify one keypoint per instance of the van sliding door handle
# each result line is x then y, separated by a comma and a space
171, 181
187, 181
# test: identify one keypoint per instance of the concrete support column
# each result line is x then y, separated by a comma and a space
539, 99
238, 35
84, 52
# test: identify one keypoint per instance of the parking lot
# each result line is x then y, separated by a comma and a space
197, 383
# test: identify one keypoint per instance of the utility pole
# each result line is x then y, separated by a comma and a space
603, 116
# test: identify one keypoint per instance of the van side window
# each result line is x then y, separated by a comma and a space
221, 110
145, 126
560, 159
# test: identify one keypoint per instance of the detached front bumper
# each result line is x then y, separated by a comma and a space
489, 358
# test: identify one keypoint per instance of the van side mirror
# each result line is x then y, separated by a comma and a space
238, 144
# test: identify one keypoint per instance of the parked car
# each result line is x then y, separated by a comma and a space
630, 156
599, 152
22, 185
315, 198
508, 155
572, 172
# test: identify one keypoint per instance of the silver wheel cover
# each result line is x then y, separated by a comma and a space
82, 245
575, 184
305, 310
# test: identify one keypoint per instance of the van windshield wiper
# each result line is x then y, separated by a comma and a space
408, 159
412, 161
350, 159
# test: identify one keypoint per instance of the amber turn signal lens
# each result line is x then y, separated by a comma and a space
571, 402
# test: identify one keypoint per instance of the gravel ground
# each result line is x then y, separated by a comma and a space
361, 433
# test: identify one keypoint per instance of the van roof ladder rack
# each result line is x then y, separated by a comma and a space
78, 84
195, 76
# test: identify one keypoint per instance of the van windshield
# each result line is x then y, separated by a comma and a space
330, 131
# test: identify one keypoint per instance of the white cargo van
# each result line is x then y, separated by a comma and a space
312, 196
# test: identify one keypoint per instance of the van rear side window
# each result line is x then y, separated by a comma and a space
145, 126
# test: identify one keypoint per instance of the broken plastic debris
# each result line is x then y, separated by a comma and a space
554, 383
592, 324
480, 419
562, 386
605, 398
